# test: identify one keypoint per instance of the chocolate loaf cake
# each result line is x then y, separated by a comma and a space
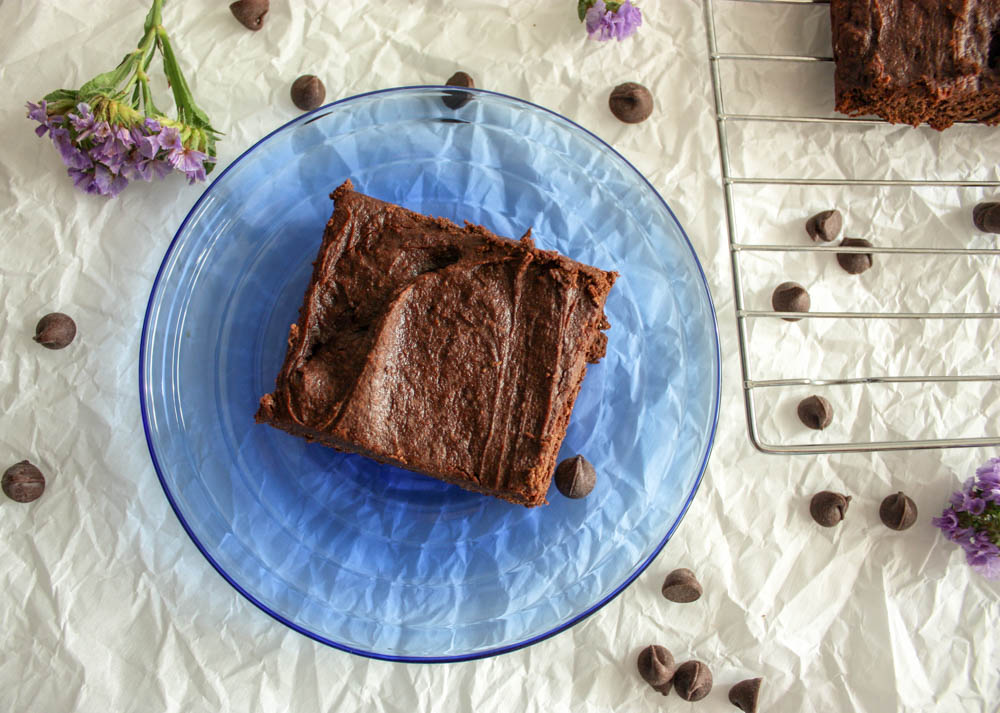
442, 349
917, 61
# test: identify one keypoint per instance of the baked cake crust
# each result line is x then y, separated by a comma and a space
917, 61
441, 349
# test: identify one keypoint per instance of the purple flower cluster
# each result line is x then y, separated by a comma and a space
617, 24
973, 519
102, 157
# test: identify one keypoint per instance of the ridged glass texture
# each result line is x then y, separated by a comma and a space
377, 560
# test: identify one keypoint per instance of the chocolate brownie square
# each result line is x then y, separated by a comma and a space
916, 61
441, 349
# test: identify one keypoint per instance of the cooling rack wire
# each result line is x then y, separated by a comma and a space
752, 387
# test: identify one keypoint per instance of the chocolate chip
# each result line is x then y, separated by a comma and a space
828, 508
656, 666
855, 263
790, 297
250, 13
815, 412
631, 102
23, 482
55, 331
681, 586
744, 695
664, 688
456, 100
308, 92
575, 477
825, 226
986, 217
898, 512
693, 680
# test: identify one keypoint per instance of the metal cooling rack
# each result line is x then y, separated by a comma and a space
743, 315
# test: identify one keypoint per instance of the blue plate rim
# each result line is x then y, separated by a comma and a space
486, 653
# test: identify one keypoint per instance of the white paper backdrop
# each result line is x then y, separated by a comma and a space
108, 606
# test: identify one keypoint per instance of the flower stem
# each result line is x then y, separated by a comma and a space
155, 17
142, 56
187, 110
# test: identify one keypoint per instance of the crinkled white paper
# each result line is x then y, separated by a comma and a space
107, 605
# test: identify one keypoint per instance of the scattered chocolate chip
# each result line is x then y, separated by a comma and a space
656, 666
828, 508
250, 13
664, 688
55, 331
681, 586
986, 217
815, 412
23, 482
825, 226
631, 102
744, 695
308, 92
898, 512
855, 263
456, 100
693, 680
790, 297
575, 477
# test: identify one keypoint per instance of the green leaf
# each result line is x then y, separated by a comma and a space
188, 111
108, 82
60, 95
61, 101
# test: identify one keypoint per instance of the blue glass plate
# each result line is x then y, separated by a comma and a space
376, 560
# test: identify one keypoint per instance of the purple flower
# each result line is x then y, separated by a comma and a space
147, 169
974, 505
988, 476
972, 519
102, 157
967, 499
71, 155
960, 498
990, 568
148, 146
107, 183
122, 134
102, 131
39, 113
84, 180
989, 468
190, 161
83, 122
603, 24
170, 139
112, 153
106, 133
948, 523
984, 556
143, 134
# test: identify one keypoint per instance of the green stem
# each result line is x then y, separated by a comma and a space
187, 108
155, 17
148, 107
143, 54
